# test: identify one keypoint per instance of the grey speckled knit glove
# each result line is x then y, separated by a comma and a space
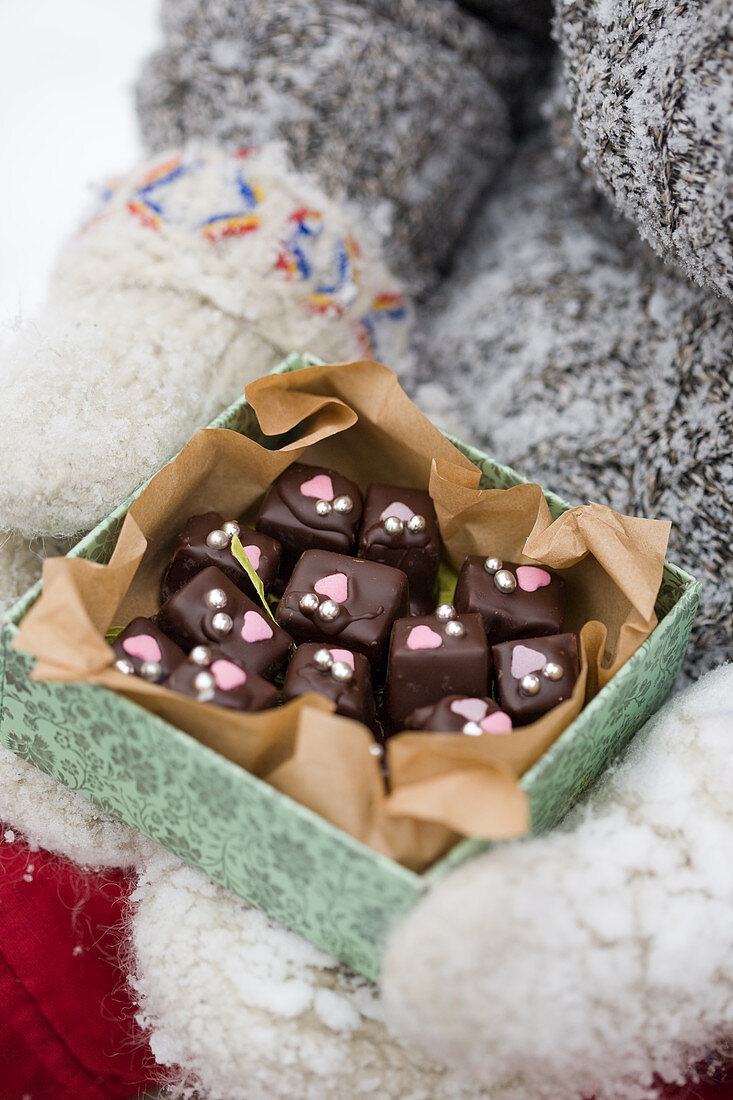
651, 91
400, 104
576, 356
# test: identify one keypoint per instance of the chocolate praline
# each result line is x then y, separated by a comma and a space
337, 673
433, 656
209, 676
142, 649
310, 508
210, 610
338, 599
399, 528
467, 714
206, 541
533, 675
514, 601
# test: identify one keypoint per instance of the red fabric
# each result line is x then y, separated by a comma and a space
66, 1019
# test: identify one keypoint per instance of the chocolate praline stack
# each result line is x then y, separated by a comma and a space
400, 528
514, 601
310, 508
433, 656
206, 541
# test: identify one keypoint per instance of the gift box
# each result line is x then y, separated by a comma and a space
277, 853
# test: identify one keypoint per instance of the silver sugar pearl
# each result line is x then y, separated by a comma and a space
376, 750
393, 525
308, 602
216, 597
342, 672
473, 729
553, 671
328, 611
222, 623
416, 524
204, 682
323, 507
151, 670
217, 539
444, 612
343, 505
454, 629
493, 565
200, 655
322, 659
529, 685
231, 528
125, 666
505, 581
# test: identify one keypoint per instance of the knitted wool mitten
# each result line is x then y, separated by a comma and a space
575, 356
198, 273
403, 105
651, 91
585, 962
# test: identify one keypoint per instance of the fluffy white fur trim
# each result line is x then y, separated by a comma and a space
584, 962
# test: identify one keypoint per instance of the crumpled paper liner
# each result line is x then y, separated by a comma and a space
355, 418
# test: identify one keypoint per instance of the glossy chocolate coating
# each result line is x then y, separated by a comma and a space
353, 699
234, 686
455, 712
290, 516
375, 596
427, 662
189, 620
152, 639
507, 615
192, 554
416, 553
561, 649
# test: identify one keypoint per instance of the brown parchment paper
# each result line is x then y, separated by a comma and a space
357, 419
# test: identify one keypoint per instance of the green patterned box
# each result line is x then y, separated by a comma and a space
244, 834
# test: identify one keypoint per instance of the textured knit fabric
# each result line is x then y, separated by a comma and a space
199, 273
587, 961
574, 355
651, 87
402, 105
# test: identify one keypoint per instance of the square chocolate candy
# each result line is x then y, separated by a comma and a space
346, 601
336, 673
433, 656
310, 508
142, 649
514, 601
533, 675
210, 610
469, 714
399, 528
206, 540
209, 676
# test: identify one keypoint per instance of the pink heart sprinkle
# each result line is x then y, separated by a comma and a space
530, 578
422, 637
397, 508
255, 628
227, 675
498, 722
472, 709
334, 587
344, 655
526, 660
144, 647
320, 487
254, 554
